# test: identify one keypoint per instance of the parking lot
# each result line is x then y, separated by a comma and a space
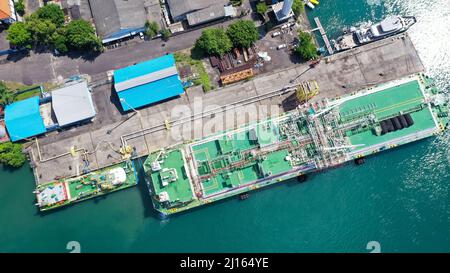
278, 43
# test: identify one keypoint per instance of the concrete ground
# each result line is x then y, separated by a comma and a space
342, 73
281, 58
4, 44
32, 5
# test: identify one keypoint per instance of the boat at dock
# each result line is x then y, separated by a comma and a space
313, 137
369, 32
309, 4
66, 191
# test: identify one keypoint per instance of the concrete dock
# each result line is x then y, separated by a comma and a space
324, 35
99, 142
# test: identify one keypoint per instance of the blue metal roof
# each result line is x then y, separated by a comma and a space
152, 91
23, 119
122, 34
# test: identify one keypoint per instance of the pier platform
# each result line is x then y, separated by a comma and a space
324, 35
98, 143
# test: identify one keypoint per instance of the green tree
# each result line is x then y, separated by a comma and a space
18, 35
151, 29
59, 41
261, 8
243, 33
19, 6
166, 34
298, 7
11, 154
6, 95
80, 35
306, 47
51, 12
40, 29
214, 41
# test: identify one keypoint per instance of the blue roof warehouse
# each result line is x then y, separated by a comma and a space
148, 82
23, 119
69, 105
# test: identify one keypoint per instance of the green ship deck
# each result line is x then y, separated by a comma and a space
70, 190
312, 137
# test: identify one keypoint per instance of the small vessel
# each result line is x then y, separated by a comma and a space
66, 191
370, 32
315, 2
310, 5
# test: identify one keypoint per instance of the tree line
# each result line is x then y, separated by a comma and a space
243, 33
218, 41
47, 27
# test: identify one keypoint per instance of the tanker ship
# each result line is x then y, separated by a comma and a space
313, 137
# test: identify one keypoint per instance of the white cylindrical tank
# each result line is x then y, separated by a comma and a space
287, 6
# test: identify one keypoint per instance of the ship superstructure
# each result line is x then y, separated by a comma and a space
370, 32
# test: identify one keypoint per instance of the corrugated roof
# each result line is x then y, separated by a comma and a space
5, 9
155, 76
140, 69
205, 15
73, 103
183, 7
151, 93
148, 82
23, 119
115, 16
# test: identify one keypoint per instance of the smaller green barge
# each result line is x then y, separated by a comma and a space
100, 182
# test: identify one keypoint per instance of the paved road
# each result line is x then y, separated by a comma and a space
44, 67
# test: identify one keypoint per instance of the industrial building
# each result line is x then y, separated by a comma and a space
200, 11
283, 10
210, 14
7, 12
118, 19
23, 119
148, 82
72, 104
67, 106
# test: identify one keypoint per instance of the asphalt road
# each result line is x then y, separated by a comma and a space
45, 67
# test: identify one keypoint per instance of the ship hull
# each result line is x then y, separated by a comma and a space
352, 41
222, 166
68, 191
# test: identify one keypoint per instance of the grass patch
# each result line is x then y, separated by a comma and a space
33, 90
198, 67
236, 3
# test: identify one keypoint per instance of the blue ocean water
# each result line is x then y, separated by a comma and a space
399, 198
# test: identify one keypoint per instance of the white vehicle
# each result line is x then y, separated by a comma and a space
275, 34
141, 35
281, 46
